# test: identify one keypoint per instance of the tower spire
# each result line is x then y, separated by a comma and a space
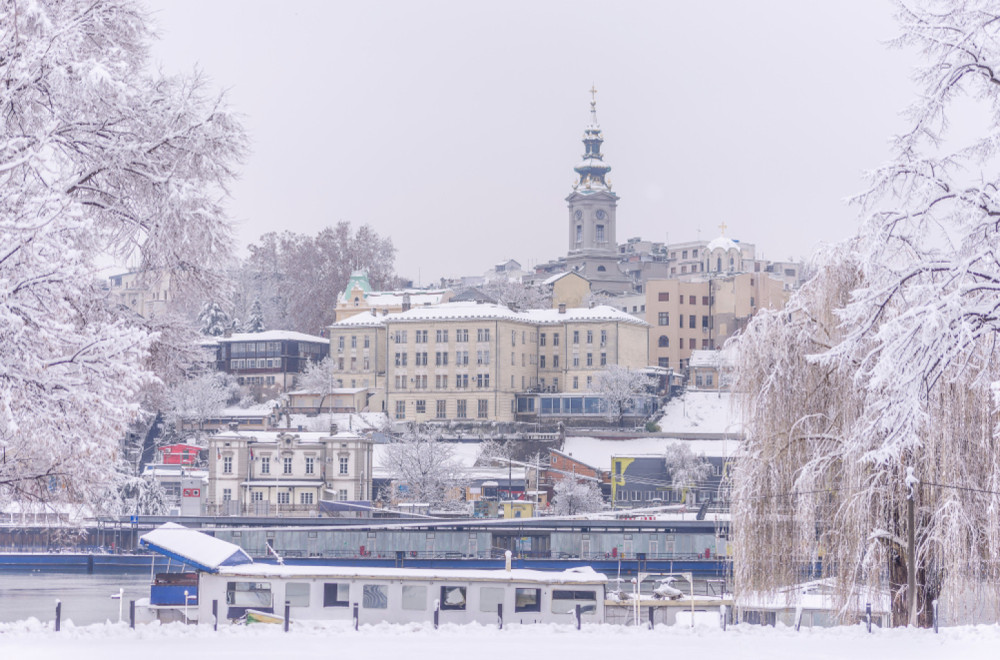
592, 170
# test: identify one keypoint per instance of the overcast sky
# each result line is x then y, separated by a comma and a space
453, 127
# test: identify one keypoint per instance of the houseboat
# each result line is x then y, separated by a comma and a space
230, 584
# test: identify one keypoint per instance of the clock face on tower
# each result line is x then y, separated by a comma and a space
601, 215
579, 214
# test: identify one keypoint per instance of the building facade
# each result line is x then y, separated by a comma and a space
469, 361
278, 473
270, 360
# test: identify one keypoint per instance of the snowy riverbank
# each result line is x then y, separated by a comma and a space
35, 640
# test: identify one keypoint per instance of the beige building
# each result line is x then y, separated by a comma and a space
701, 314
145, 294
569, 289
468, 361
286, 474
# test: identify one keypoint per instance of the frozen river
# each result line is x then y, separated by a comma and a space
85, 598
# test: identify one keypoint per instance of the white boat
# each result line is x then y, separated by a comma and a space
232, 583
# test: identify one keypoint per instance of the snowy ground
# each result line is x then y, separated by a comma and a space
700, 412
36, 641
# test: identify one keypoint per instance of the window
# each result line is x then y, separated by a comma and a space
461, 358
604, 359
367, 341
489, 598
421, 406
441, 411
462, 336
354, 341
555, 338
374, 596
284, 498
441, 336
600, 233
249, 594
343, 464
257, 496
527, 600
421, 337
310, 465
704, 300
305, 498
482, 381
484, 408
400, 336
604, 335
342, 494
340, 343
541, 361
401, 359
590, 359
462, 381
692, 318
576, 382
590, 336
461, 409
555, 361
441, 358
680, 319
664, 341
663, 318
265, 465
400, 409
483, 334
227, 494
420, 359
286, 465
335, 594
576, 336
227, 464
414, 597
579, 234
691, 300
576, 360
482, 357
452, 598
541, 339
663, 296
704, 322
565, 601
297, 594
663, 362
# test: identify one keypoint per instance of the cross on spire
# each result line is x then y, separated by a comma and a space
722, 228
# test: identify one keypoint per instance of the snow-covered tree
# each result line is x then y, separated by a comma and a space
516, 293
255, 321
425, 467
200, 397
297, 278
98, 157
320, 378
688, 471
621, 388
573, 495
882, 371
132, 494
213, 321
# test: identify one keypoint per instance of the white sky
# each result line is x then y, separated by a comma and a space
453, 127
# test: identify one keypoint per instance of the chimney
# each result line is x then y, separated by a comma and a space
406, 302
562, 308
333, 428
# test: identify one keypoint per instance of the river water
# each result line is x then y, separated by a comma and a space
86, 599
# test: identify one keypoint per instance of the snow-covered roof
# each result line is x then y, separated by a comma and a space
473, 311
709, 359
597, 452
701, 412
362, 319
273, 335
395, 298
336, 390
581, 575
558, 276
194, 548
722, 243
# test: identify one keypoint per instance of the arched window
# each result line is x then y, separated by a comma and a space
356, 301
718, 265
601, 269
664, 341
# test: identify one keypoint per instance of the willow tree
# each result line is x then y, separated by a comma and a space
870, 401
